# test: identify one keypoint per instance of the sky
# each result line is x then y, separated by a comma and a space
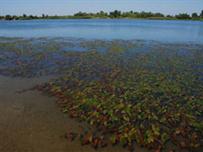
69, 7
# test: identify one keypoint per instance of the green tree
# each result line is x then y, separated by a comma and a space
115, 14
31, 17
8, 17
101, 14
15, 17
24, 16
183, 16
158, 15
169, 16
201, 14
194, 15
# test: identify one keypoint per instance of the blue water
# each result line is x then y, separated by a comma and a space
158, 30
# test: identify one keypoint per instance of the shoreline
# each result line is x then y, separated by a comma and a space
156, 19
31, 121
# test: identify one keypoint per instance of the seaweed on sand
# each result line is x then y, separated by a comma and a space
148, 99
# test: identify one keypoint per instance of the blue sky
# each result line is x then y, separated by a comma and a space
64, 7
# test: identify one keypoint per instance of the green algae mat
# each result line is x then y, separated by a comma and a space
127, 93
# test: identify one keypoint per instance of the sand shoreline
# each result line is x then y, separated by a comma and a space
32, 122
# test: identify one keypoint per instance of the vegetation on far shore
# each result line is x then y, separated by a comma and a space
110, 15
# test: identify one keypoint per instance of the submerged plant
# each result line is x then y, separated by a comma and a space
126, 96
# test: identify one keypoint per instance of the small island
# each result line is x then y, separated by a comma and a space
116, 14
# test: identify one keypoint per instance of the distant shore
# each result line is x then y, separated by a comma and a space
111, 15
73, 18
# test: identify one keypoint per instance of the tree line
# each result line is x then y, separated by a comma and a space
114, 14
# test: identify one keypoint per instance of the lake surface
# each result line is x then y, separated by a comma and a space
137, 79
158, 30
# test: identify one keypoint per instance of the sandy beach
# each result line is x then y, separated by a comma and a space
32, 122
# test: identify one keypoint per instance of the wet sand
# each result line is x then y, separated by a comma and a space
32, 122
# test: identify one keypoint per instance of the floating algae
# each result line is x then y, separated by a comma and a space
126, 93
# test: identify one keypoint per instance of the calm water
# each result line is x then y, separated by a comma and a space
165, 31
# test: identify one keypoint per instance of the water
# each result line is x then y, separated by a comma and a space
158, 30
143, 69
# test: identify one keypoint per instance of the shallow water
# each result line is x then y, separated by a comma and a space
158, 76
32, 122
159, 30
